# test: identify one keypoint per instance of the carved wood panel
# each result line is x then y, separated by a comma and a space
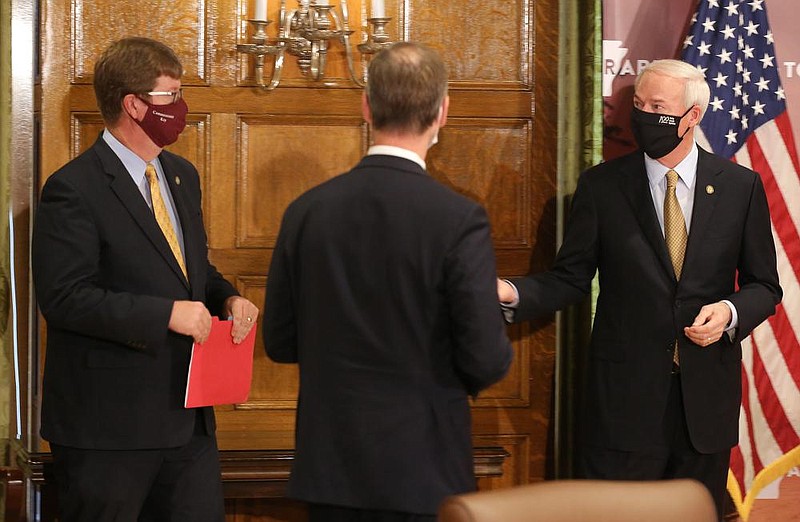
256, 151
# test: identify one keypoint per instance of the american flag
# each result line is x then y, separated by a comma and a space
746, 120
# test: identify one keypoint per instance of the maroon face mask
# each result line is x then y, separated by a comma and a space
164, 123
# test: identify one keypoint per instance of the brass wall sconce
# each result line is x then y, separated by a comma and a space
307, 32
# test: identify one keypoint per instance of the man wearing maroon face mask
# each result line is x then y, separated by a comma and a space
122, 276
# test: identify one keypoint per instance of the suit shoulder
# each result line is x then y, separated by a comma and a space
733, 172
176, 160
83, 168
614, 167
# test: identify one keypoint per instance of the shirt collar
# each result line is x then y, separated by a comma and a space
391, 150
132, 163
686, 169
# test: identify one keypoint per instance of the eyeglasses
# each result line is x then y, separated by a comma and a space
174, 95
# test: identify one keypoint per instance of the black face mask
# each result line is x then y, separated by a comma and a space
656, 134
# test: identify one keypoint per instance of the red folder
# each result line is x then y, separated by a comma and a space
220, 371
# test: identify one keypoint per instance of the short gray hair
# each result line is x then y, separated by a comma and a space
695, 91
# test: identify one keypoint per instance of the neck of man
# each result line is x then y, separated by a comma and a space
134, 138
419, 143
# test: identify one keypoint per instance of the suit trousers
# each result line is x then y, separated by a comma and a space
180, 484
673, 457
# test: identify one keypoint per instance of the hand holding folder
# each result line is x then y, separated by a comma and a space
220, 371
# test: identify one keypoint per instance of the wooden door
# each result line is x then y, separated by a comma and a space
257, 150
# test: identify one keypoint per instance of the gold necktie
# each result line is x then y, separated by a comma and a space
162, 216
674, 233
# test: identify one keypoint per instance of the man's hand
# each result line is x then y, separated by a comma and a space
190, 318
709, 325
505, 292
244, 315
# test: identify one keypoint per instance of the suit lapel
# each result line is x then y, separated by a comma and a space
636, 188
706, 195
128, 194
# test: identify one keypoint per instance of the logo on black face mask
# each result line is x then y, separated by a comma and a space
656, 134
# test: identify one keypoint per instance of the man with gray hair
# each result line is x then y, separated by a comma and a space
382, 288
683, 244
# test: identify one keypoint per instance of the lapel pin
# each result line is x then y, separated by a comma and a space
178, 182
709, 189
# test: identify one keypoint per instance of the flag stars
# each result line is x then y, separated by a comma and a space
713, 3
708, 25
766, 61
737, 89
734, 112
769, 38
763, 84
752, 28
746, 76
748, 51
703, 48
755, 5
721, 79
727, 32
716, 105
688, 41
758, 108
780, 94
732, 9
744, 121
739, 65
724, 56
731, 137
745, 99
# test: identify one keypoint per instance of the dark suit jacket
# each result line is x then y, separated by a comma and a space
105, 279
382, 287
642, 308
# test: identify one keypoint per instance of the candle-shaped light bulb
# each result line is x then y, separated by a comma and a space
378, 9
261, 10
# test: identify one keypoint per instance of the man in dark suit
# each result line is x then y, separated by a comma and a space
652, 413
376, 288
120, 265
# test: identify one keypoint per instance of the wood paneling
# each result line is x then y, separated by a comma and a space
282, 157
257, 150
181, 24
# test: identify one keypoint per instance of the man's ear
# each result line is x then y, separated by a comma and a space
130, 107
443, 111
365, 110
695, 115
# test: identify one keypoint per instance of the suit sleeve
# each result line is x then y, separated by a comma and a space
66, 253
759, 291
482, 351
570, 278
279, 327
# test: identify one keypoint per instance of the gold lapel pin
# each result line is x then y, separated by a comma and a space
178, 182
709, 189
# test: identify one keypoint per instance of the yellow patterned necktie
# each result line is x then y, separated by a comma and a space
674, 233
162, 216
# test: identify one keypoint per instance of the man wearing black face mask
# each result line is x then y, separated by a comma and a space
683, 245
122, 276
